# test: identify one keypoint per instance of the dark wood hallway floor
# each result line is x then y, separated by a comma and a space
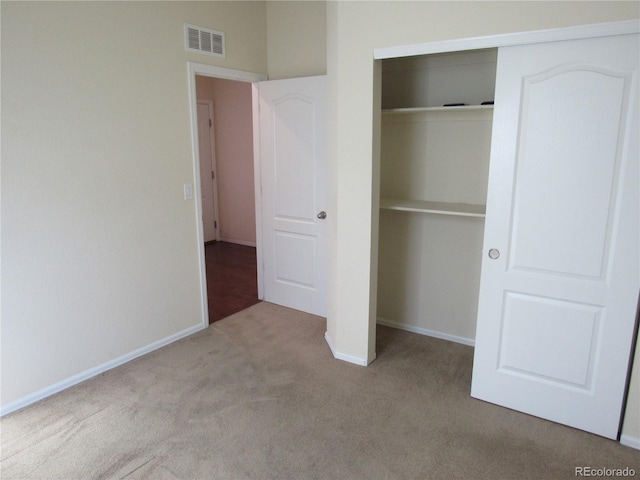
232, 282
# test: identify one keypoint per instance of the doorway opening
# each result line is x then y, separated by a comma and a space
435, 138
232, 282
225, 188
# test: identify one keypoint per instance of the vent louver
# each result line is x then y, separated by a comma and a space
204, 40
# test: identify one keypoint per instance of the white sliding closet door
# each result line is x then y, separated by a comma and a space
561, 268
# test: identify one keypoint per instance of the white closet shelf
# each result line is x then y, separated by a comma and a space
439, 208
466, 108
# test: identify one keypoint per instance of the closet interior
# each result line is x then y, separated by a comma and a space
437, 113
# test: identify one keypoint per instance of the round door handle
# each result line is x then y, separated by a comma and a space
322, 215
494, 253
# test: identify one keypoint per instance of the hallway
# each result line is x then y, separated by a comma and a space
232, 283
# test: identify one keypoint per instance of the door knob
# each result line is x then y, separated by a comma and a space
322, 215
494, 253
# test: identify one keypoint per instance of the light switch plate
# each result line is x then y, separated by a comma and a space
188, 191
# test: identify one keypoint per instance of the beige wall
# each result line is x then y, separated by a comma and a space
233, 127
297, 33
354, 29
99, 248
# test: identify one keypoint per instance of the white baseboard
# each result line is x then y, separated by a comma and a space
425, 331
629, 441
238, 242
92, 372
343, 356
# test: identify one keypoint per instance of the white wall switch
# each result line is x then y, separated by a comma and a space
188, 191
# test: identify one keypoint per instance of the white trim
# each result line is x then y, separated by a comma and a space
238, 242
195, 152
425, 331
257, 179
629, 441
194, 69
92, 372
343, 356
219, 72
214, 165
511, 39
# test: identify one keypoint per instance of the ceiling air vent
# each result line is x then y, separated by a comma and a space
203, 40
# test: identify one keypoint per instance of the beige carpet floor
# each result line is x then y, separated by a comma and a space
259, 396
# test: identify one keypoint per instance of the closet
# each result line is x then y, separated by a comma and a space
514, 227
437, 114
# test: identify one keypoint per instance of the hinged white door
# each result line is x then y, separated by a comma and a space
206, 144
294, 192
560, 273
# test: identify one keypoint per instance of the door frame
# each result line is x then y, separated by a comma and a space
475, 43
576, 32
511, 39
204, 70
214, 180
449, 46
